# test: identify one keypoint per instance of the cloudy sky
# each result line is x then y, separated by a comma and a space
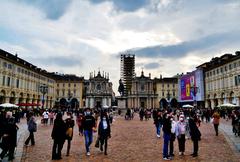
80, 36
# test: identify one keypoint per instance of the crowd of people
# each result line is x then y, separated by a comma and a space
175, 125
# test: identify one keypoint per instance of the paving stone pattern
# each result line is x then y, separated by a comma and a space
132, 141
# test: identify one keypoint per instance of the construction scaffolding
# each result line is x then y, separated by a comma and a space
127, 71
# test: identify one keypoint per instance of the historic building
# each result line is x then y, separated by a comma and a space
99, 91
142, 94
222, 80
69, 91
167, 92
23, 83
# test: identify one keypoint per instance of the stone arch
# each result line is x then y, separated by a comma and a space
74, 103
163, 103
20, 100
232, 98
12, 97
174, 103
63, 102
2, 96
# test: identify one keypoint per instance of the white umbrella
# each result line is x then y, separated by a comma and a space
106, 107
187, 106
227, 105
8, 105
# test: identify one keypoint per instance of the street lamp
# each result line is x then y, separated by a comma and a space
43, 89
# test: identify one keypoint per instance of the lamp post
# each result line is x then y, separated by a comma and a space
43, 89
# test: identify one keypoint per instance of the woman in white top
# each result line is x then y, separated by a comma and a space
180, 133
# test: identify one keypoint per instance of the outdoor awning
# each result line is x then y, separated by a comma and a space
28, 104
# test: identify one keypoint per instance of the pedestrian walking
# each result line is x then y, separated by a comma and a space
194, 133
158, 121
51, 117
216, 121
166, 135
104, 132
180, 134
79, 121
58, 136
32, 127
69, 133
89, 125
45, 117
172, 137
9, 137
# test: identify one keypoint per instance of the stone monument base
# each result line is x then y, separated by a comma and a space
122, 102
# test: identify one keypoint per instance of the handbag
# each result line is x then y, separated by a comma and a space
97, 143
69, 132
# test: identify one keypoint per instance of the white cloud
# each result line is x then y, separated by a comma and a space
95, 33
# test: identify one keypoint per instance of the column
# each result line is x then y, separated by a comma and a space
86, 102
7, 99
109, 101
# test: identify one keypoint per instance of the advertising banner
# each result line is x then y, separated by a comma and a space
191, 86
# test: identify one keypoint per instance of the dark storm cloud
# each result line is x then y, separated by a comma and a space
126, 5
153, 65
53, 9
182, 49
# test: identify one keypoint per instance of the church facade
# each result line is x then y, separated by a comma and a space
142, 94
98, 91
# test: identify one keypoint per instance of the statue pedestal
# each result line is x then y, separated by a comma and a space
122, 102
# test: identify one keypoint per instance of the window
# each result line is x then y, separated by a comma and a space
74, 85
168, 85
173, 85
207, 74
63, 85
5, 64
236, 80
173, 93
8, 81
18, 70
63, 92
9, 66
162, 93
17, 83
162, 85
57, 85
217, 71
69, 85
213, 72
234, 65
142, 87
210, 73
74, 92
225, 68
57, 92
3, 82
230, 66
221, 69
69, 92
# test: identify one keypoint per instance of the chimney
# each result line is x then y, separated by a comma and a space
150, 75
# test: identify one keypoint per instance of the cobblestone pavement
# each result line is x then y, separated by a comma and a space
132, 141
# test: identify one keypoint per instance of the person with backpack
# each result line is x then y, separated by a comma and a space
32, 127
